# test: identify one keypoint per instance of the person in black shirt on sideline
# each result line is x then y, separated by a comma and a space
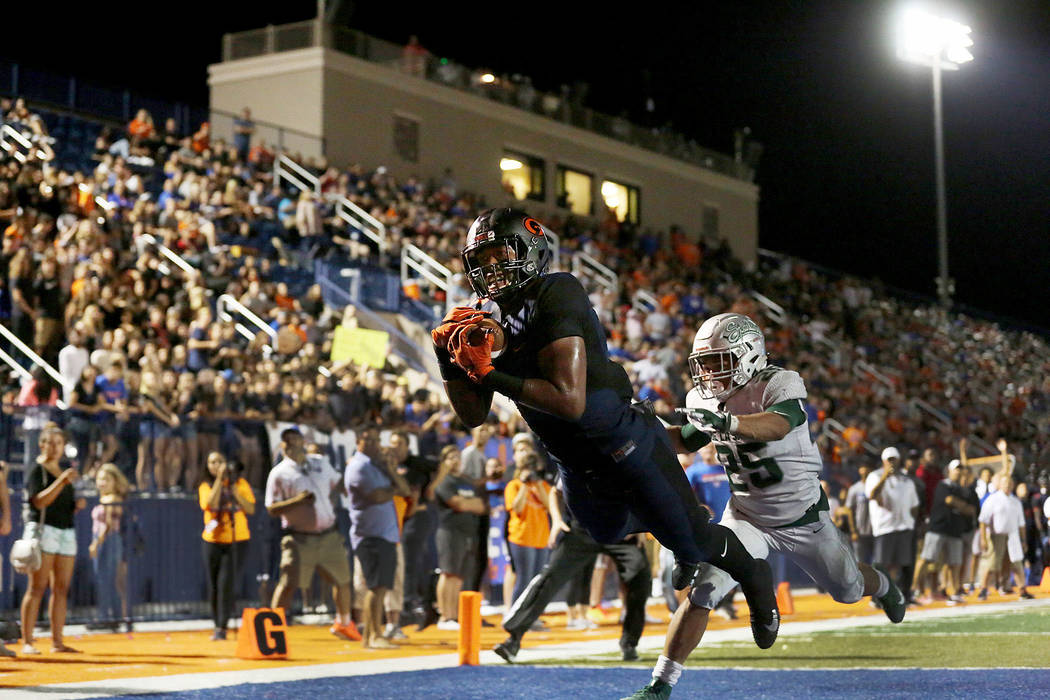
617, 463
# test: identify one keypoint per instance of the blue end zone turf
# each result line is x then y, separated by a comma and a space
513, 683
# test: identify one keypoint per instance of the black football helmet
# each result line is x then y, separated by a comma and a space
506, 250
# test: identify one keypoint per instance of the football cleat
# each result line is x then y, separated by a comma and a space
657, 690
508, 649
762, 604
893, 603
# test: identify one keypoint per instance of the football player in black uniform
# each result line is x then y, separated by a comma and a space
618, 468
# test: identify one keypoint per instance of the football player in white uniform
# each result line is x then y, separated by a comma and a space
754, 414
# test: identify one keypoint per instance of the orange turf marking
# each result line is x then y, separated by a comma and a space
263, 634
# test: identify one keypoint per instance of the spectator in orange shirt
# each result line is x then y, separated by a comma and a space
141, 128
226, 502
201, 140
528, 527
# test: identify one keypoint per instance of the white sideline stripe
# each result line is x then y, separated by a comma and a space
198, 681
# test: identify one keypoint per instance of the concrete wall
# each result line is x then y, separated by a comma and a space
353, 103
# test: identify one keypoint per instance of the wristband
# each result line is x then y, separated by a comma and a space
446, 367
734, 423
693, 438
506, 384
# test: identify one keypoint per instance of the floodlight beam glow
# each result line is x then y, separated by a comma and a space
924, 38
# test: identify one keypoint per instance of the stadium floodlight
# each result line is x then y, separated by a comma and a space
932, 41
939, 44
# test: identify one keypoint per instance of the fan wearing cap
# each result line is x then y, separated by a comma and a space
618, 468
893, 504
950, 517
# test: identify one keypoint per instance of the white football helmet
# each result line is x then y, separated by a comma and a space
728, 351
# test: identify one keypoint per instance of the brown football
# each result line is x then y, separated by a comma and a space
476, 335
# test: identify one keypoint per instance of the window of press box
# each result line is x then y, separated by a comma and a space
522, 176
575, 191
623, 200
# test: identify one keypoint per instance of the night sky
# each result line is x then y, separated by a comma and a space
847, 173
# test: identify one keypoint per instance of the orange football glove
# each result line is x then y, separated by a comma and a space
475, 360
459, 315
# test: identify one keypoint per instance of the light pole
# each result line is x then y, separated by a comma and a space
939, 44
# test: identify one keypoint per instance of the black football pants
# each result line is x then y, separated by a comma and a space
573, 551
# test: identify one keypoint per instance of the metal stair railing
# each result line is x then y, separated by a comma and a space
645, 301
168, 253
862, 367
226, 302
67, 384
415, 258
774, 310
287, 169
587, 268
11, 139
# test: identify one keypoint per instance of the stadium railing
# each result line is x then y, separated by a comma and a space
284, 168
300, 35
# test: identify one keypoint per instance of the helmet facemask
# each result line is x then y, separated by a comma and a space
498, 269
717, 374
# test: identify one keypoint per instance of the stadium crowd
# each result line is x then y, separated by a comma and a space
156, 381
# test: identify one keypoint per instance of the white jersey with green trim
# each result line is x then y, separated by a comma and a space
773, 483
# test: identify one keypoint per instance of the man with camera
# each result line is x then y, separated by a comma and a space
893, 504
299, 492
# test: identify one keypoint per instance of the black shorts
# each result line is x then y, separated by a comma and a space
457, 554
378, 562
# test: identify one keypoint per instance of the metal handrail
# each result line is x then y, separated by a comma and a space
67, 384
413, 257
644, 300
168, 253
8, 131
773, 309
602, 274
287, 169
941, 416
879, 376
225, 300
282, 161
378, 235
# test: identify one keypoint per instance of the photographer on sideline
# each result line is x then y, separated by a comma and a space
528, 528
226, 502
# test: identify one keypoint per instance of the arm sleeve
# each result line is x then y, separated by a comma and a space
204, 495
445, 490
511, 492
245, 489
562, 310
272, 490
869, 483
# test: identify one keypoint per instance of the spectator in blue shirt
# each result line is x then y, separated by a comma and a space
371, 485
709, 481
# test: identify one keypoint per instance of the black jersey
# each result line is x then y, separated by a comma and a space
558, 307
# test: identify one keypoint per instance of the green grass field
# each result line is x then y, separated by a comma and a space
1018, 639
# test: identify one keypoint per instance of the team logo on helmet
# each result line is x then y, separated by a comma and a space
532, 226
